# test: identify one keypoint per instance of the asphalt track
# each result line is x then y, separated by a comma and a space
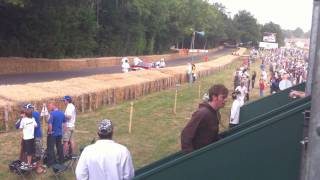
61, 75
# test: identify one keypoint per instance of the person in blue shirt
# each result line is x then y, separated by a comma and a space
56, 124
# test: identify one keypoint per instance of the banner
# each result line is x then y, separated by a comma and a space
269, 37
267, 45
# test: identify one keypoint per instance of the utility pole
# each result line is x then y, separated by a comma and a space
311, 163
313, 44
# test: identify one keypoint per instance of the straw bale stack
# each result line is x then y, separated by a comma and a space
92, 92
14, 65
23, 93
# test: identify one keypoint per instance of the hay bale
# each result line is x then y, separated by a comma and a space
92, 92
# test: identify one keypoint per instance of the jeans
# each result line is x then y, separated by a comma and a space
261, 93
51, 141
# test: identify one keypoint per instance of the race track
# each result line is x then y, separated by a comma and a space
51, 76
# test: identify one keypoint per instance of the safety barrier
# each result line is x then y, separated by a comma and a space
267, 150
265, 104
242, 126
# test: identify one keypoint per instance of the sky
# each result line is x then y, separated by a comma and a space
289, 14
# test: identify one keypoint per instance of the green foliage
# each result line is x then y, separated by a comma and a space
298, 33
69, 28
248, 27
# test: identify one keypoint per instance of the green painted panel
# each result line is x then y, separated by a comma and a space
264, 151
234, 130
268, 103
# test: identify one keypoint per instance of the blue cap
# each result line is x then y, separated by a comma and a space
28, 106
68, 98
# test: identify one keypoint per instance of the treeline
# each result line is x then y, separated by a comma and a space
297, 33
82, 28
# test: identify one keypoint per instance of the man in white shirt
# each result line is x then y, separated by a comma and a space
68, 133
285, 83
264, 75
162, 63
125, 66
235, 109
105, 159
243, 91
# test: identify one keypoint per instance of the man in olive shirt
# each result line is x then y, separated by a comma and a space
203, 128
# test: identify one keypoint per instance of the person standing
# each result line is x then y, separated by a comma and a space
261, 87
253, 78
105, 159
56, 124
37, 138
68, 134
194, 75
235, 109
27, 124
203, 128
243, 91
125, 66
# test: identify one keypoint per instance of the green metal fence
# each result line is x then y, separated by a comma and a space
267, 150
229, 132
268, 103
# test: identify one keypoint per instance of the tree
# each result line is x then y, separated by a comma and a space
274, 28
248, 27
298, 33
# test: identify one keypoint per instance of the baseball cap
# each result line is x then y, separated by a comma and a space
28, 106
68, 98
105, 127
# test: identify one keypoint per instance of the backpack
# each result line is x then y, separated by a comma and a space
15, 165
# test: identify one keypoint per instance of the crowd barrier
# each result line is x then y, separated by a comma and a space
268, 148
266, 104
254, 120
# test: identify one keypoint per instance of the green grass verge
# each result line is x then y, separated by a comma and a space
155, 128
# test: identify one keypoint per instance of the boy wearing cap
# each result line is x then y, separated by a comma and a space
68, 134
27, 124
235, 109
105, 159
37, 137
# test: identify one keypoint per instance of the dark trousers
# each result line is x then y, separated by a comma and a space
252, 83
51, 141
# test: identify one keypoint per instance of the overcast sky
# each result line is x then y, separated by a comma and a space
289, 14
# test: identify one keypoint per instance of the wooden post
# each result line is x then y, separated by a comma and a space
199, 90
90, 101
130, 118
82, 103
6, 117
175, 100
